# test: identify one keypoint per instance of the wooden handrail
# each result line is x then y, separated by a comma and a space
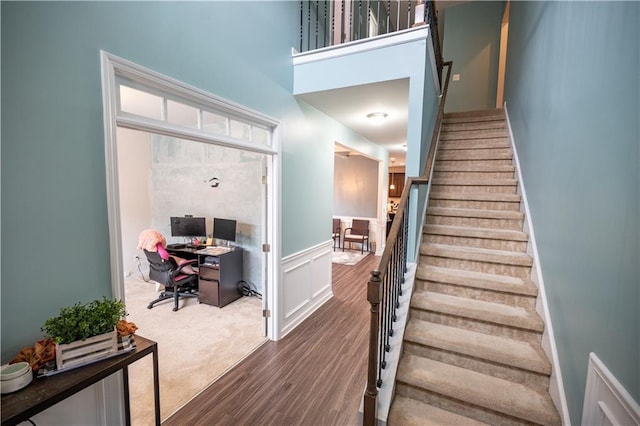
379, 281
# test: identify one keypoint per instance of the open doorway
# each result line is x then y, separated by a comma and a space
356, 195
186, 128
162, 177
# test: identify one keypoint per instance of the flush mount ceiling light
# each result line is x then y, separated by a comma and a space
377, 117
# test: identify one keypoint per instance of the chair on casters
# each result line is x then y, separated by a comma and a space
177, 283
336, 232
357, 233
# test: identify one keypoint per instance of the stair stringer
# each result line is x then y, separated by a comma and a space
386, 392
556, 385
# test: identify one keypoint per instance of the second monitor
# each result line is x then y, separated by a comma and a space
224, 229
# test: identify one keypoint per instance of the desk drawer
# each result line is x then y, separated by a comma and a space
209, 273
208, 292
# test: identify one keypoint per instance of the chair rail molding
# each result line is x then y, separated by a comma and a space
306, 282
606, 401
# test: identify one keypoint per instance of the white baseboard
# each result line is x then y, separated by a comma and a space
556, 386
606, 401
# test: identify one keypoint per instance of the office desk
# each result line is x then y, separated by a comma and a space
45, 392
218, 274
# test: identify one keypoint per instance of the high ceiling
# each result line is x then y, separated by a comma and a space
351, 105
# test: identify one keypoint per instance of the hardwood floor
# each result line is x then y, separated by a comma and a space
314, 376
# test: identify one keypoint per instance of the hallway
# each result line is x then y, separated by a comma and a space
315, 375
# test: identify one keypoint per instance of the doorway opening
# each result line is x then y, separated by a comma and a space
193, 138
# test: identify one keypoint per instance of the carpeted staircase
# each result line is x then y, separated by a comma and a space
472, 349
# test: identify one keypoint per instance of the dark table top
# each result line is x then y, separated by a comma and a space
44, 392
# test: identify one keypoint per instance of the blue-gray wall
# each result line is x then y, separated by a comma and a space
55, 242
472, 42
572, 94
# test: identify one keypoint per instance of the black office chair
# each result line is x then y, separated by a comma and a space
177, 283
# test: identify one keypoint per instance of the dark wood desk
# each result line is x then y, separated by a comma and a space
45, 392
217, 281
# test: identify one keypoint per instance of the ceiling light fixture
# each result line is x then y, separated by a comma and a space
377, 118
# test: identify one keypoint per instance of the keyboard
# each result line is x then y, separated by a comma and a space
175, 246
195, 246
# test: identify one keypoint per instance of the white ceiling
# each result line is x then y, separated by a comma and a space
351, 105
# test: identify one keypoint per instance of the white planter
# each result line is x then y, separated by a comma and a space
86, 351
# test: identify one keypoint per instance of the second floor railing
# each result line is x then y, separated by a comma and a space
326, 23
385, 285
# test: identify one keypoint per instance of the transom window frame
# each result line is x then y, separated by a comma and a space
131, 75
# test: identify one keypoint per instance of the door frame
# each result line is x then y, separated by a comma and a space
113, 68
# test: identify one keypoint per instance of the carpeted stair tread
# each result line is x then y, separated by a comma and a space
486, 114
475, 125
480, 280
477, 254
496, 349
476, 213
474, 182
479, 310
503, 396
475, 232
473, 134
489, 168
475, 196
475, 144
411, 412
481, 154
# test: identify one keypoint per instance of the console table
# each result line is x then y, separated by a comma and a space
45, 392
218, 273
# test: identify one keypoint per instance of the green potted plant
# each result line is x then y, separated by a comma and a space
85, 332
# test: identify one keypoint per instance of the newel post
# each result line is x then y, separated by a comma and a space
373, 296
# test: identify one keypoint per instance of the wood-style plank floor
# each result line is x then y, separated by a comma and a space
314, 376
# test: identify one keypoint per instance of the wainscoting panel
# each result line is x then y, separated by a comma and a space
306, 284
606, 402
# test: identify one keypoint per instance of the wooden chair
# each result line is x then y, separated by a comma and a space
357, 233
336, 231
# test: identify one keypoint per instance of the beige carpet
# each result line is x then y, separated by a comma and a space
347, 257
196, 345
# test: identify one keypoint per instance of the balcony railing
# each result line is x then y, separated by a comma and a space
334, 22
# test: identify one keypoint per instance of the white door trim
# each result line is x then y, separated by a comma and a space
114, 68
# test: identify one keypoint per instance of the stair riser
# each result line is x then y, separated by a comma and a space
487, 243
480, 205
527, 302
476, 154
482, 189
472, 175
521, 334
529, 378
475, 168
478, 266
474, 163
473, 134
474, 144
482, 125
458, 407
514, 224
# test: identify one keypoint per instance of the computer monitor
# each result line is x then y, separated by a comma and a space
224, 229
188, 226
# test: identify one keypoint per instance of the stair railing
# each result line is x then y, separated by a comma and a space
385, 285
